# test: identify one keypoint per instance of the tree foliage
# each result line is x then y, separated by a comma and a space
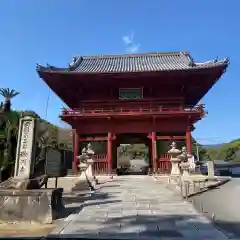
228, 151
8, 94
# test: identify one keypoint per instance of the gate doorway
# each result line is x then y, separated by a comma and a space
133, 156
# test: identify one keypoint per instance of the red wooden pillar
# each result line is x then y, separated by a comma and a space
75, 150
154, 152
149, 144
189, 140
109, 152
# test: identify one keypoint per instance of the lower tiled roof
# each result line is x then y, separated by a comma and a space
151, 62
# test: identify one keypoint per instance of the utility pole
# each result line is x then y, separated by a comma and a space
47, 103
197, 152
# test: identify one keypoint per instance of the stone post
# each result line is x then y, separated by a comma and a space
174, 152
210, 166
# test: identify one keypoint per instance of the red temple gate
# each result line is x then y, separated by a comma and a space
154, 94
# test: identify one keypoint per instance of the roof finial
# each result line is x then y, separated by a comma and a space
75, 58
226, 60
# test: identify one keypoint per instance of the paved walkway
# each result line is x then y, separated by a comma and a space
137, 207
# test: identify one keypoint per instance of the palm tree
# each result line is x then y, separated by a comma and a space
8, 94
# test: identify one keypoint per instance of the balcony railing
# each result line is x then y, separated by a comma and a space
106, 111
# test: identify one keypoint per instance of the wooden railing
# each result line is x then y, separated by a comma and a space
100, 157
160, 109
165, 157
164, 164
100, 165
164, 167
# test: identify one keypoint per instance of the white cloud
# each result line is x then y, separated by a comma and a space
134, 48
131, 45
128, 39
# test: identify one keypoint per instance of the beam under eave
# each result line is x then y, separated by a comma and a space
171, 137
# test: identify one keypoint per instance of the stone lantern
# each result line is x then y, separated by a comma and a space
185, 165
85, 165
90, 161
174, 152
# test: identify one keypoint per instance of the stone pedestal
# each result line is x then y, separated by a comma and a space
37, 205
184, 164
86, 173
174, 152
185, 169
175, 171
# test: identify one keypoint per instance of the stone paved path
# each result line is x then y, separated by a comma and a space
137, 207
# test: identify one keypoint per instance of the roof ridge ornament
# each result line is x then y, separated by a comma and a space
187, 58
74, 60
38, 66
226, 60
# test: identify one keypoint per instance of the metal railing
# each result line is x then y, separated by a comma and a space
160, 109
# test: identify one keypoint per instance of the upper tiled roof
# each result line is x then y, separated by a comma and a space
151, 62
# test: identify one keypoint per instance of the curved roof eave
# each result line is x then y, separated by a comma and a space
134, 63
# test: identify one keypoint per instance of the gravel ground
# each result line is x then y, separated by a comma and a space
25, 230
222, 204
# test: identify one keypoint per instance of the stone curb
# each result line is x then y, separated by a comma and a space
211, 187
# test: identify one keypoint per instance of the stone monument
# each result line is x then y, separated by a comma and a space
174, 152
25, 154
21, 197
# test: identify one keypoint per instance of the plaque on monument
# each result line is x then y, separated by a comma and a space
54, 163
24, 164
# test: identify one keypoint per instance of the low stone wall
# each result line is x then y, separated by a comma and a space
194, 185
38, 205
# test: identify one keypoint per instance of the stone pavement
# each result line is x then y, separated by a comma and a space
137, 207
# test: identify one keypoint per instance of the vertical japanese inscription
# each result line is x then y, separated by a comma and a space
24, 154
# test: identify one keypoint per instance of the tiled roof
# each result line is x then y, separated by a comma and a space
151, 62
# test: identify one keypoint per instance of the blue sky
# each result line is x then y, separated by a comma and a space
52, 31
